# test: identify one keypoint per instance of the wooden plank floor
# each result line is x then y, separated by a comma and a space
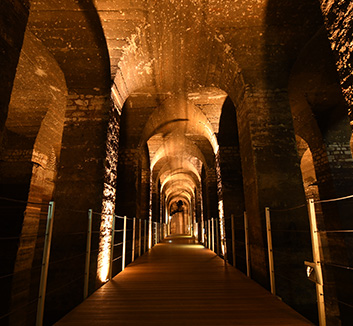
181, 283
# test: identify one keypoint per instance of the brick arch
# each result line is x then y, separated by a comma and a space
35, 125
179, 112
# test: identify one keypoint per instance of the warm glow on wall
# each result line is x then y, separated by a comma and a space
221, 225
105, 234
196, 231
109, 193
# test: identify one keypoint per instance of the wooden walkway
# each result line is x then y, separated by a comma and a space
179, 282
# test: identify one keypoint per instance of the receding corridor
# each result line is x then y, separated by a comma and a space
123, 122
180, 282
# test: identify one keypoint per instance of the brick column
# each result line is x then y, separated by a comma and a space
81, 176
210, 195
332, 159
272, 177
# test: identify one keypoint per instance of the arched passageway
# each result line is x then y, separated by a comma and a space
191, 117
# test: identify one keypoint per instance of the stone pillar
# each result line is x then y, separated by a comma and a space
28, 169
334, 170
155, 203
233, 200
198, 210
13, 21
81, 176
145, 187
272, 178
210, 195
127, 201
232, 181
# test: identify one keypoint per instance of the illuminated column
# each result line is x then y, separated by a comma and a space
338, 19
160, 206
150, 216
220, 206
193, 212
109, 195
199, 203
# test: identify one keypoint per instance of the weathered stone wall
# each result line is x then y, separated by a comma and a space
328, 141
338, 16
16, 170
333, 167
32, 144
126, 198
270, 164
209, 193
144, 203
232, 182
13, 21
199, 210
81, 176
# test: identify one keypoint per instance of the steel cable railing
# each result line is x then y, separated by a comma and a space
288, 239
319, 238
339, 264
131, 236
289, 236
289, 244
236, 238
15, 240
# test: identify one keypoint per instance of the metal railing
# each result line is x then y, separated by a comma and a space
17, 240
238, 238
290, 235
131, 238
129, 241
210, 232
314, 268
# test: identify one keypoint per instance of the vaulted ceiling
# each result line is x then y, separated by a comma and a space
171, 64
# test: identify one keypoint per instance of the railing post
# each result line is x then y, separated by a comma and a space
150, 234
88, 254
153, 234
112, 248
270, 250
140, 234
45, 264
317, 260
247, 244
145, 237
212, 232
217, 237
124, 246
203, 232
233, 239
209, 234
133, 238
